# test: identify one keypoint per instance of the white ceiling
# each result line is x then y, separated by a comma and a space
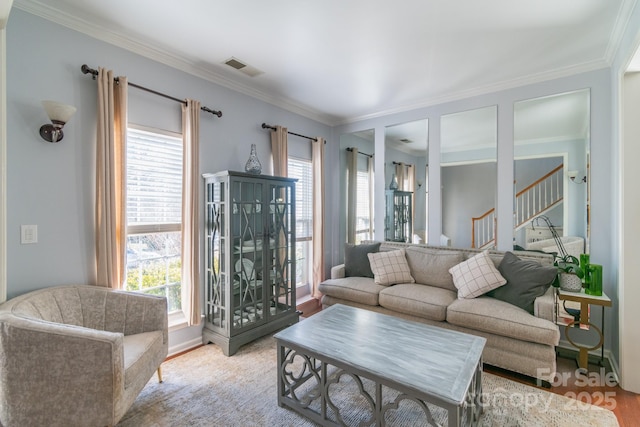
338, 61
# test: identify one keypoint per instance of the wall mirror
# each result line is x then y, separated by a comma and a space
468, 149
551, 150
356, 184
406, 181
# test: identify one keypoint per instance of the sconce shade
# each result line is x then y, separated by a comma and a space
59, 114
57, 111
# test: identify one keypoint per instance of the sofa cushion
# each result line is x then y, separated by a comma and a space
359, 289
390, 268
424, 301
526, 280
431, 266
476, 276
501, 318
356, 261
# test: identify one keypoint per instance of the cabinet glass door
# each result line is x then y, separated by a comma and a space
248, 241
280, 255
215, 289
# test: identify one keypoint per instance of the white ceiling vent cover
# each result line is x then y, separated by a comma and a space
242, 67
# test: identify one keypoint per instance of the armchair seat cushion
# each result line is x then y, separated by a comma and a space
139, 353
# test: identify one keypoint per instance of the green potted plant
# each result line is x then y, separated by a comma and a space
569, 273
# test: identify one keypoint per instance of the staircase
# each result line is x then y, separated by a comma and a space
536, 199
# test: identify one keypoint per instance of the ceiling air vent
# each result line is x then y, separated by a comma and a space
242, 67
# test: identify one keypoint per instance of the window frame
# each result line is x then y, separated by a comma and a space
176, 318
307, 240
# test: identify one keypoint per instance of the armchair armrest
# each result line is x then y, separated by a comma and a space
544, 306
40, 358
337, 271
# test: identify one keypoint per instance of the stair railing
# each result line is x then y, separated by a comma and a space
483, 230
539, 197
531, 201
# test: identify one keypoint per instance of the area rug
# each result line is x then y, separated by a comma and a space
205, 388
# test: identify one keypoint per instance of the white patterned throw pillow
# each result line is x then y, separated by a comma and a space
390, 268
476, 276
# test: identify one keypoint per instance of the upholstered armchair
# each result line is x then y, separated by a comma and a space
77, 355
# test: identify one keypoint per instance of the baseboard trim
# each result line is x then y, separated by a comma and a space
594, 354
184, 346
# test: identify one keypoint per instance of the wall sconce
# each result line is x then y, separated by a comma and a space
573, 176
59, 114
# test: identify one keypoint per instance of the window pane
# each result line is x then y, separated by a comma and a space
154, 178
154, 265
301, 170
363, 220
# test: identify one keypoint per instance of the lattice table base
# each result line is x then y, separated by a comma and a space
333, 394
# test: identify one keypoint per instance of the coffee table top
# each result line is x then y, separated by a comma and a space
426, 358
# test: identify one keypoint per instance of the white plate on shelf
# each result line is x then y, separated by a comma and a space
245, 266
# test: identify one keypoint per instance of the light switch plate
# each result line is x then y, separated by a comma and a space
28, 234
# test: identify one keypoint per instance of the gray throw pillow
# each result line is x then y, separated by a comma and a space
356, 262
526, 280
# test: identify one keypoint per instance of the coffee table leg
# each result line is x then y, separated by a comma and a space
280, 380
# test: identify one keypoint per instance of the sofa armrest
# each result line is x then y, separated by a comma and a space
337, 271
544, 306
40, 359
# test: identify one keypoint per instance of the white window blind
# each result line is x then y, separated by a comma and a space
154, 179
301, 170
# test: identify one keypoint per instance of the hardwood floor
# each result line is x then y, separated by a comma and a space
597, 387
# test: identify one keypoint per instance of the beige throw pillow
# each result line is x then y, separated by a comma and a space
476, 276
390, 268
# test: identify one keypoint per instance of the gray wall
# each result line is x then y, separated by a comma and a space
52, 185
468, 191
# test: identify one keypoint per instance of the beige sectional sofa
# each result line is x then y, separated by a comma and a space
516, 340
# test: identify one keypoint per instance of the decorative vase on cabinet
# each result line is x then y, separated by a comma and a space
250, 288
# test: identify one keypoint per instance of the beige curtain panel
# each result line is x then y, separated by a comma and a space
279, 151
317, 165
191, 211
110, 220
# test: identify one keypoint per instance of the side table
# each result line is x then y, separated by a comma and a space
585, 301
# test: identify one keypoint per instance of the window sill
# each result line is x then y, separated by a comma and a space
177, 321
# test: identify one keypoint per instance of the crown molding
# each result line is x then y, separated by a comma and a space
189, 65
165, 57
622, 22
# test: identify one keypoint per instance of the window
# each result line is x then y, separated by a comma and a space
364, 227
154, 214
301, 170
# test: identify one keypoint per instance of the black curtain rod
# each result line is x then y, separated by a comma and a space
266, 126
360, 152
94, 73
400, 163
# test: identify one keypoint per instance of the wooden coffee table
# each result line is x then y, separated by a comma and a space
422, 363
